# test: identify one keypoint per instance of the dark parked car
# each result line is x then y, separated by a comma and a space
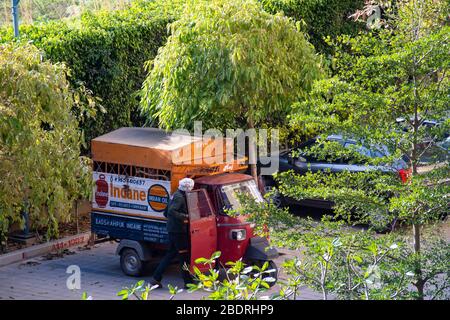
305, 162
429, 126
445, 145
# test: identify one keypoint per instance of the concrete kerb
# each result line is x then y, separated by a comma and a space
44, 248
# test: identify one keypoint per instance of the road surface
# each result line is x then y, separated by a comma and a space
101, 277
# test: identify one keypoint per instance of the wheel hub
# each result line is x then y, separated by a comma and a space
131, 262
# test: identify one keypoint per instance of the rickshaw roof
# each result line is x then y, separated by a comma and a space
148, 138
159, 149
223, 179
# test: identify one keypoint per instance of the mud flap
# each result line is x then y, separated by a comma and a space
260, 249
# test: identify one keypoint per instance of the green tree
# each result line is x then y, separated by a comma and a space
398, 71
228, 63
350, 263
106, 52
40, 167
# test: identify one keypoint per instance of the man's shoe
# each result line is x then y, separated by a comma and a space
156, 283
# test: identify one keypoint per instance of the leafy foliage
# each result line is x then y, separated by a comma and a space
106, 52
400, 71
358, 265
241, 282
228, 63
141, 291
40, 167
348, 263
383, 76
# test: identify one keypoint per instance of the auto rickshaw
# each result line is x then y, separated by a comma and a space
136, 169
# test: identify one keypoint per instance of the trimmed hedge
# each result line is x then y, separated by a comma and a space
106, 51
322, 17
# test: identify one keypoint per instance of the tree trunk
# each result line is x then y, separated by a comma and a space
253, 157
416, 234
420, 283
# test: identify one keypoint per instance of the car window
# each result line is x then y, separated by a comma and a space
373, 152
360, 149
305, 152
354, 159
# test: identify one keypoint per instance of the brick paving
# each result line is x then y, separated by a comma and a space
101, 277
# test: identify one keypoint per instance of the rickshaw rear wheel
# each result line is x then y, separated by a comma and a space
131, 263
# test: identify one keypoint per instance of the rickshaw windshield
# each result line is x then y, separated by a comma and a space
229, 194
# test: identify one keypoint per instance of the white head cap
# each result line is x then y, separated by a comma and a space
186, 184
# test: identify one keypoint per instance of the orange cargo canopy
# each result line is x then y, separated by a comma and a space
163, 150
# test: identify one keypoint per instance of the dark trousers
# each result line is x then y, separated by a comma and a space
178, 246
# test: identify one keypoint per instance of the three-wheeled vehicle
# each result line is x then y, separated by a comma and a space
135, 171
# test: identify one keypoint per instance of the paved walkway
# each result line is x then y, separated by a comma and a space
101, 277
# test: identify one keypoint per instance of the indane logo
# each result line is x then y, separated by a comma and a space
158, 197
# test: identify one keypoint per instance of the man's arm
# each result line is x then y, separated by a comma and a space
176, 209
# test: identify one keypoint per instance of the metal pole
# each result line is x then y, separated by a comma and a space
15, 13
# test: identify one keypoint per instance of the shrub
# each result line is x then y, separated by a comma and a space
40, 167
106, 51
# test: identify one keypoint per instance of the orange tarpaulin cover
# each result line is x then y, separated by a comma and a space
180, 153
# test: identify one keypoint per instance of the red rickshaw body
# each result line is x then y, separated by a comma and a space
231, 249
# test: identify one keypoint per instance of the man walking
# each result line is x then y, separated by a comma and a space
177, 227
